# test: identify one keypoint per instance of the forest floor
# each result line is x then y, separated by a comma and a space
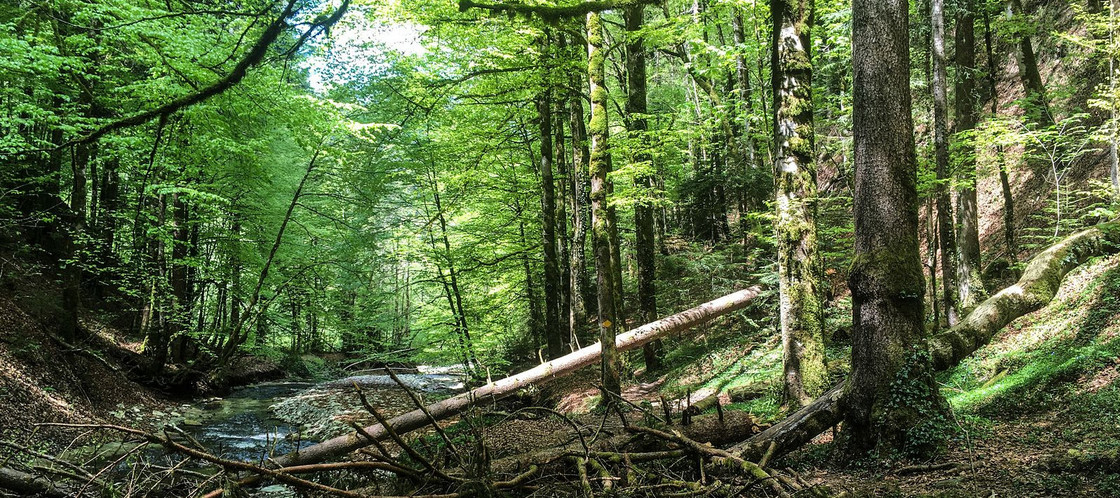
1047, 385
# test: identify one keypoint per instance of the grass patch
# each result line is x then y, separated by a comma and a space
1043, 359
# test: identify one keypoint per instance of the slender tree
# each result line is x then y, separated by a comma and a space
947, 239
795, 179
637, 125
891, 390
1037, 101
970, 288
552, 330
599, 169
1004, 174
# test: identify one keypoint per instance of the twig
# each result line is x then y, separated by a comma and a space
412, 453
917, 469
420, 404
768, 455
639, 408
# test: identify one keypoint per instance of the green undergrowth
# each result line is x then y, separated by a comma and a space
1059, 357
744, 356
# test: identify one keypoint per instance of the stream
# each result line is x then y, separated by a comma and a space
260, 421
268, 419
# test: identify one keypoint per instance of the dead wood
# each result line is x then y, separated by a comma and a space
545, 372
24, 483
1034, 290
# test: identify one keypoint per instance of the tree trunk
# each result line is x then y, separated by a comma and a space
970, 287
644, 239
1034, 290
795, 179
886, 281
1004, 176
1038, 107
945, 232
579, 202
599, 168
565, 256
552, 330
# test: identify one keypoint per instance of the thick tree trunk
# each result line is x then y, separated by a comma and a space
1034, 290
644, 239
600, 167
540, 374
945, 234
795, 178
970, 287
886, 281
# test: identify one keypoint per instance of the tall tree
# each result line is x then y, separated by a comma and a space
795, 179
638, 126
1004, 175
945, 235
599, 168
552, 299
970, 288
891, 389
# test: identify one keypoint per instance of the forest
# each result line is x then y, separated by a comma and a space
559, 248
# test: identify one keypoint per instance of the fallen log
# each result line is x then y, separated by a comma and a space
1035, 289
24, 483
544, 372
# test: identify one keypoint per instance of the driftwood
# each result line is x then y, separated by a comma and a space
1035, 289
544, 372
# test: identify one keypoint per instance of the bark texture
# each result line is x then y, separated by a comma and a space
946, 237
637, 125
886, 281
970, 287
600, 167
795, 179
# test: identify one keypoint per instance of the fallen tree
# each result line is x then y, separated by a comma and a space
544, 372
1035, 289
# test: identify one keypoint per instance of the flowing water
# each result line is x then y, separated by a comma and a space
258, 421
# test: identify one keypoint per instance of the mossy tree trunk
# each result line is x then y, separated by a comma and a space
970, 287
886, 281
578, 202
795, 179
599, 169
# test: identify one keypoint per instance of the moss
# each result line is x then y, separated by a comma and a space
892, 271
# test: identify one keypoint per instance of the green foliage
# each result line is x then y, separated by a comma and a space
916, 408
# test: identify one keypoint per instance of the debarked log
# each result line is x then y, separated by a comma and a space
544, 372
